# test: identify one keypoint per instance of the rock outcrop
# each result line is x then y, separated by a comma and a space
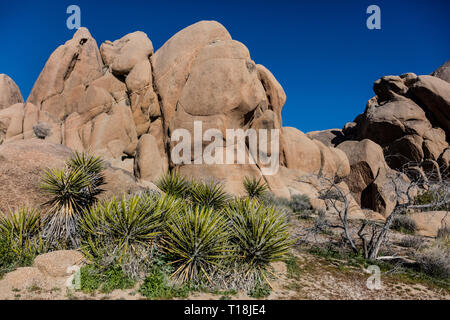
443, 72
126, 103
408, 118
9, 92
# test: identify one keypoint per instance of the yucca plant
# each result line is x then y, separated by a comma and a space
174, 184
71, 190
91, 166
260, 234
196, 241
209, 194
255, 188
127, 226
21, 230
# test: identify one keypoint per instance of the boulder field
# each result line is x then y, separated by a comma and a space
127, 103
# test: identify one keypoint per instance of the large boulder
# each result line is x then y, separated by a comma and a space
329, 137
148, 162
57, 263
429, 223
366, 163
202, 75
9, 92
384, 192
434, 95
22, 166
122, 55
172, 62
312, 156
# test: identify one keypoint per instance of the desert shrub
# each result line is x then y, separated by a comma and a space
9, 260
403, 223
196, 241
125, 228
208, 194
299, 203
435, 197
21, 230
305, 214
106, 280
174, 184
71, 190
255, 188
414, 242
260, 290
259, 233
157, 286
271, 200
443, 233
435, 262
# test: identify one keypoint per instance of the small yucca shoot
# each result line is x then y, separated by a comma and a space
209, 194
21, 229
174, 184
260, 234
255, 188
196, 241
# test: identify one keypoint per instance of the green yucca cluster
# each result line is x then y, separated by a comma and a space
71, 190
126, 226
21, 230
213, 231
209, 194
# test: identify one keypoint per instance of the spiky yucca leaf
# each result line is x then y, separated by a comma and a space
126, 225
196, 240
260, 233
209, 194
21, 229
255, 188
173, 184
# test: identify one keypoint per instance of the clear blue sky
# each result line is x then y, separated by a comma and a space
320, 51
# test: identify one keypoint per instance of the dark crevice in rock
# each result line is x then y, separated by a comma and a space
71, 66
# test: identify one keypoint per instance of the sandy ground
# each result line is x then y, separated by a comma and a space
317, 278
